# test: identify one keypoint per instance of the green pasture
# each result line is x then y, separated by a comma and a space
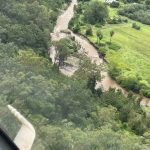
133, 57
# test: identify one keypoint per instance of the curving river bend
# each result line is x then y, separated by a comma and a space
62, 24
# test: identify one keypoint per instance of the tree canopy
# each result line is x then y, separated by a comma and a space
68, 113
96, 12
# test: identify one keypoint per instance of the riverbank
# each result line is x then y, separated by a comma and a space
89, 49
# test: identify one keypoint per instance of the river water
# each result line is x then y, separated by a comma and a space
62, 24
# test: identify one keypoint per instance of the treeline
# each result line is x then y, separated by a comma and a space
138, 12
28, 23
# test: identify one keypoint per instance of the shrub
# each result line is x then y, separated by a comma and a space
135, 26
66, 31
103, 50
117, 20
115, 4
72, 38
98, 25
78, 8
133, 1
89, 31
126, 20
76, 29
131, 83
114, 72
102, 44
114, 46
147, 2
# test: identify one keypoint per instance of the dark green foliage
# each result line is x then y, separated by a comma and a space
28, 23
116, 20
132, 1
147, 2
103, 50
111, 35
128, 111
99, 35
89, 31
131, 83
115, 4
51, 100
64, 48
92, 83
114, 46
114, 72
67, 112
84, 0
76, 29
135, 26
78, 8
138, 12
96, 12
75, 23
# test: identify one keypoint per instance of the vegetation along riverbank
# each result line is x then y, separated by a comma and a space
127, 49
68, 113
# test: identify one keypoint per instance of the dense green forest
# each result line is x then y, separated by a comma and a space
68, 113
28, 23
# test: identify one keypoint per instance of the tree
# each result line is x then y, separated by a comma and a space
137, 123
147, 2
64, 48
62, 53
96, 12
89, 72
115, 4
104, 116
99, 35
111, 35
89, 31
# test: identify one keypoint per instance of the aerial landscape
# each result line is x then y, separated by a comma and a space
78, 71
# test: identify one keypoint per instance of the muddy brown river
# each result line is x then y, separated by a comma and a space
62, 24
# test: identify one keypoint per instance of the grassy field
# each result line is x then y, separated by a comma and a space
134, 53
133, 57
